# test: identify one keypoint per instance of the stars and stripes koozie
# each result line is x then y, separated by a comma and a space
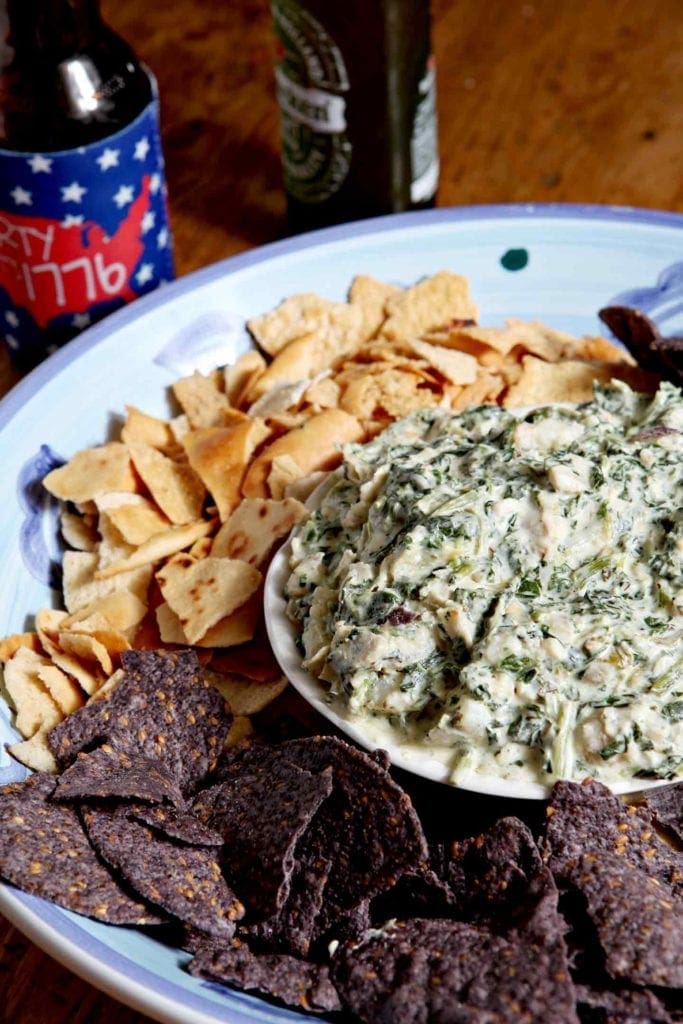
81, 232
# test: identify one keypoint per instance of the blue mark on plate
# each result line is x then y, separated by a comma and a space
662, 301
39, 534
514, 259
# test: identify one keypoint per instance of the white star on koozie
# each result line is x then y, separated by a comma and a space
148, 222
145, 273
40, 164
124, 196
108, 158
21, 197
73, 193
155, 183
72, 220
11, 341
80, 321
162, 238
12, 318
141, 148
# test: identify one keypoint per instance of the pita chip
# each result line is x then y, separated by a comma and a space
237, 628
140, 428
254, 527
220, 456
82, 583
241, 375
202, 593
11, 644
254, 660
324, 392
121, 609
66, 694
201, 399
240, 729
92, 472
299, 315
337, 336
133, 516
313, 446
244, 696
156, 549
35, 707
456, 367
568, 381
77, 532
48, 623
175, 487
428, 304
35, 753
371, 296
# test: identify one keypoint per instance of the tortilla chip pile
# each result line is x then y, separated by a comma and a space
301, 871
169, 529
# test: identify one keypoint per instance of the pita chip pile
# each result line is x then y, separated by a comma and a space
170, 528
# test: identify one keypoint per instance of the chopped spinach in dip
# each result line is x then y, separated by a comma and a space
508, 585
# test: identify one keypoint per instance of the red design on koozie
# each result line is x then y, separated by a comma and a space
50, 269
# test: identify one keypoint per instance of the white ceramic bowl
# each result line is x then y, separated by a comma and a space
371, 733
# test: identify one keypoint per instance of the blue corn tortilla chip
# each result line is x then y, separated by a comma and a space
586, 818
45, 851
261, 815
419, 894
342, 925
368, 827
424, 970
497, 876
291, 928
666, 805
620, 1006
182, 826
111, 772
642, 338
296, 983
373, 833
637, 917
185, 881
163, 710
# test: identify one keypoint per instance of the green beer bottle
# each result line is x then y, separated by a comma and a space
356, 86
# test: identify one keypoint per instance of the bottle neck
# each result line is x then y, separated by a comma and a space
47, 28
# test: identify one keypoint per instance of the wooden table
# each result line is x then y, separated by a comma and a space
549, 101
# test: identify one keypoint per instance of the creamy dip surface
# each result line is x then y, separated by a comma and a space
508, 585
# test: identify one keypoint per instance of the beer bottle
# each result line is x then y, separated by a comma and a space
83, 218
357, 94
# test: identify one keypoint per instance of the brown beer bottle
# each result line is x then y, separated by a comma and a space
66, 78
356, 87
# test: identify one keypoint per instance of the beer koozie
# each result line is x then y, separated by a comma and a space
82, 231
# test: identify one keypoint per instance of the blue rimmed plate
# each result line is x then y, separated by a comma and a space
555, 263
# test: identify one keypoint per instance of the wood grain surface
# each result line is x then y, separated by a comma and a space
553, 101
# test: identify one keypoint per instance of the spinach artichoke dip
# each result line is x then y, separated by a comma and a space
508, 585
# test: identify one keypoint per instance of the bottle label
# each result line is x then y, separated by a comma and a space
424, 144
82, 231
311, 80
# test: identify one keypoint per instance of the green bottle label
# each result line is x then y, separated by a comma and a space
312, 81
